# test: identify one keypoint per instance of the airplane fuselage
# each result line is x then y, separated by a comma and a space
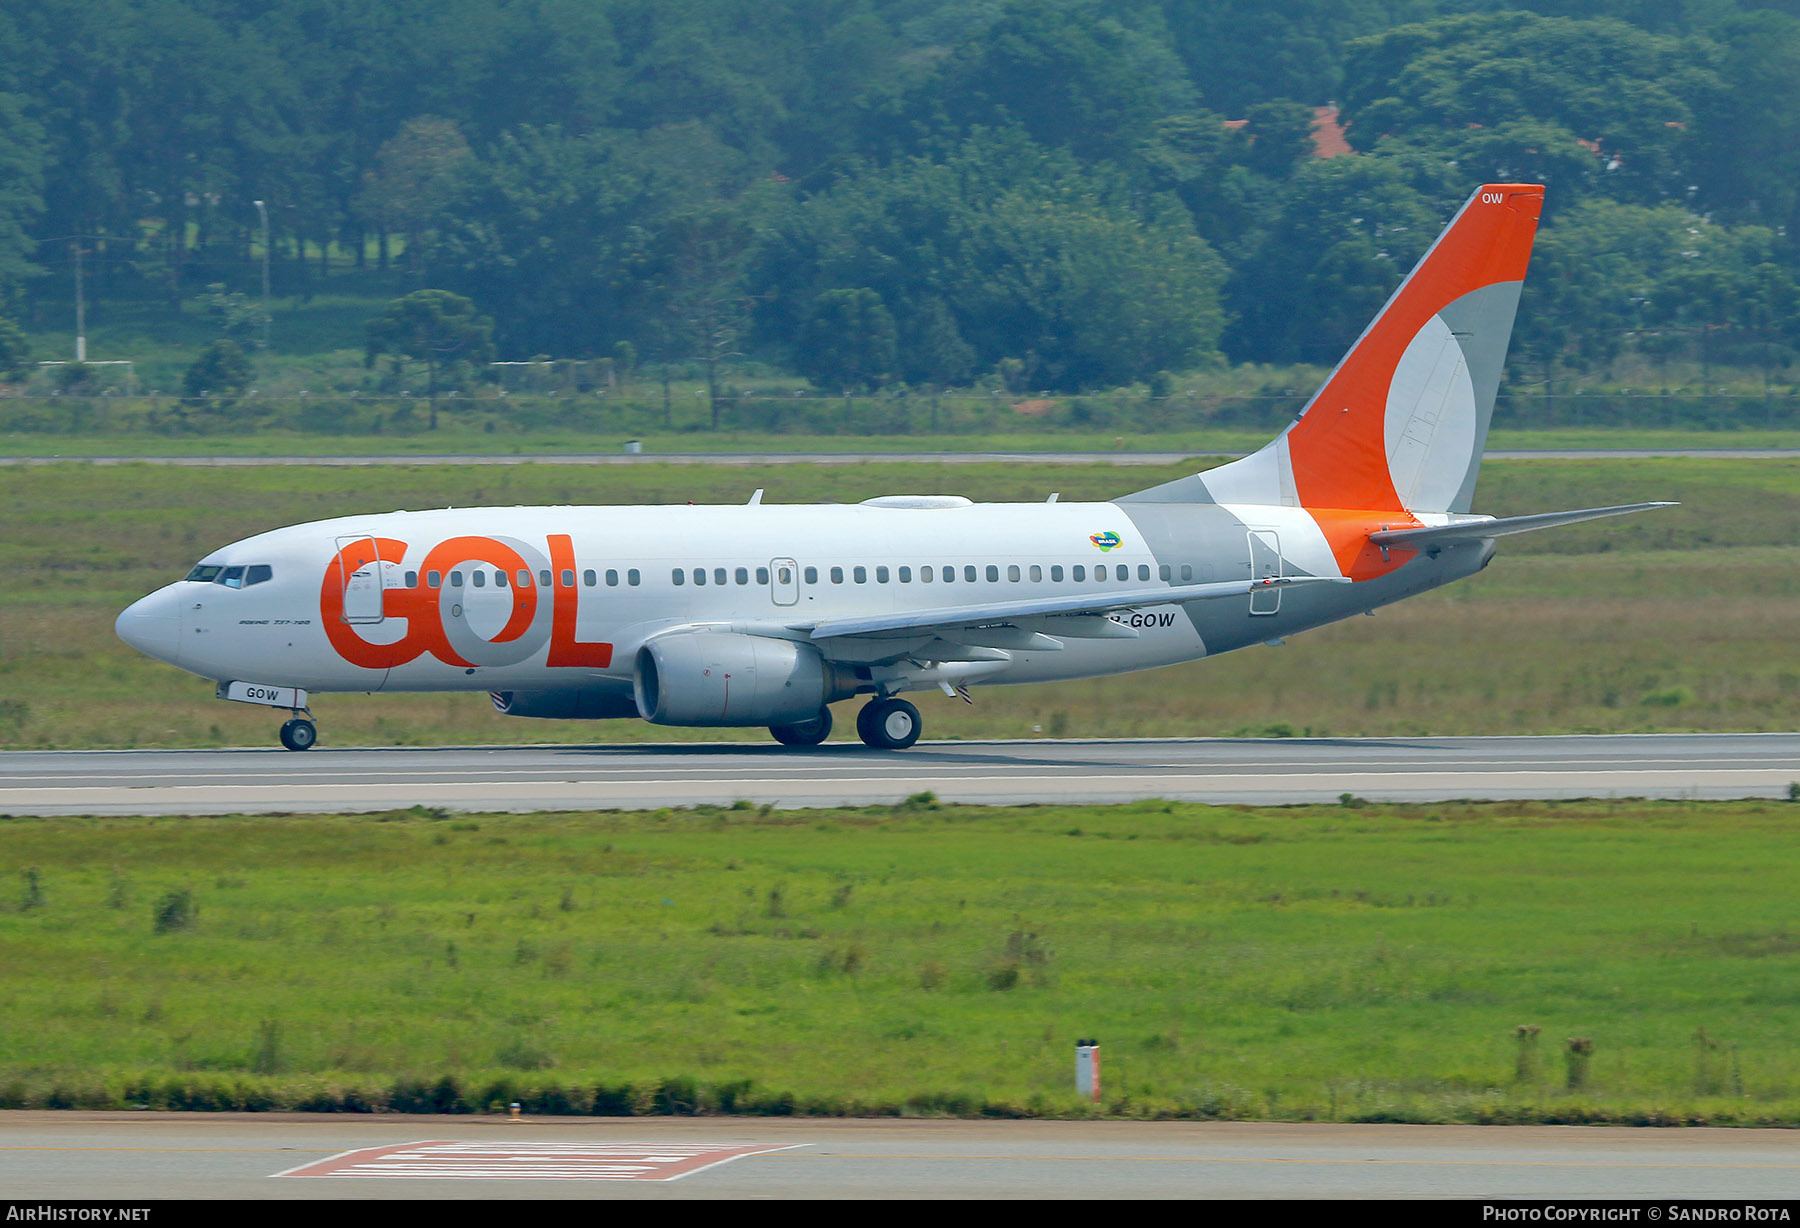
549, 598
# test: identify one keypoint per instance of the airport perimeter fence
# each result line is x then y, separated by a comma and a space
641, 412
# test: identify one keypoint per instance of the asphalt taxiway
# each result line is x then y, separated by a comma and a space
191, 1156
1257, 771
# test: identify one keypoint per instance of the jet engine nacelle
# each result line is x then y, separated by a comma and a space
721, 678
589, 703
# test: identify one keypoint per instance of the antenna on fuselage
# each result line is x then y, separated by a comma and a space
755, 499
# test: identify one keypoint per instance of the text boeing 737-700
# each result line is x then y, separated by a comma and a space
767, 615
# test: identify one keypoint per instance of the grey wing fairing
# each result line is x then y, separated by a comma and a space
988, 614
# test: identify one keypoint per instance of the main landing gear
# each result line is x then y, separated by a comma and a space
885, 724
299, 734
804, 733
888, 724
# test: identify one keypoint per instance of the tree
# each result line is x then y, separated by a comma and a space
237, 316
415, 177
1071, 73
849, 342
433, 327
222, 370
699, 287
15, 353
1630, 94
21, 179
1001, 250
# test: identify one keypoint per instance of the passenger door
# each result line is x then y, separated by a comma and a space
784, 581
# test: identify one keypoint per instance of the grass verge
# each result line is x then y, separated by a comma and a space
1600, 961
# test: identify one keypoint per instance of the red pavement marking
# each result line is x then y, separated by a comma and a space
441, 1159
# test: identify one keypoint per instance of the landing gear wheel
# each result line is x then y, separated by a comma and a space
804, 733
299, 734
888, 724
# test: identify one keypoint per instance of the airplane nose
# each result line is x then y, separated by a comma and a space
152, 625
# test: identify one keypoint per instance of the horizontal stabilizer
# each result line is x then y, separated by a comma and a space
1477, 529
1087, 603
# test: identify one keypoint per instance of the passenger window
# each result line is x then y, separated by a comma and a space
949, 574
860, 575
678, 576
1144, 571
993, 574
258, 573
969, 573
812, 575
1012, 572
1163, 572
412, 579
837, 575
1100, 574
925, 576
456, 579
631, 577
1056, 572
588, 578
762, 575
906, 575
434, 579
1122, 572
881, 575
1078, 573
480, 578
699, 575
743, 575
544, 578
1187, 572
718, 575
612, 577
499, 579
524, 578
1037, 573
568, 578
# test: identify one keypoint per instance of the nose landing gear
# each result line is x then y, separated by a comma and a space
888, 724
299, 734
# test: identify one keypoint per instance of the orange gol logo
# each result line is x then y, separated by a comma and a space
435, 623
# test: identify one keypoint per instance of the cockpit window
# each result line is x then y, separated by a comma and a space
257, 573
205, 573
231, 577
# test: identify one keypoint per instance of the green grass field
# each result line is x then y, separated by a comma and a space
1315, 963
1680, 619
454, 438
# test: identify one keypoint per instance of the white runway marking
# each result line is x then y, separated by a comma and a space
530, 1161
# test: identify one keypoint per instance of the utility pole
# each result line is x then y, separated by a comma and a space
263, 212
80, 308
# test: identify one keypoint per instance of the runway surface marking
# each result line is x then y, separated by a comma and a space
442, 1158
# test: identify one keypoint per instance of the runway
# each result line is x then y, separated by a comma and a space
1255, 771
182, 1155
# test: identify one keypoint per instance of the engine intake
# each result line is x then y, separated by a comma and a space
722, 678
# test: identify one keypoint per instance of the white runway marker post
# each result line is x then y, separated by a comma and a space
1087, 1070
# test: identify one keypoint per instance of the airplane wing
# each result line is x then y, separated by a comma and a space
1423, 538
991, 613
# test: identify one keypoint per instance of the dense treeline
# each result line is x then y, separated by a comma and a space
1048, 193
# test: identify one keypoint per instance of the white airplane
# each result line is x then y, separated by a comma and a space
767, 615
